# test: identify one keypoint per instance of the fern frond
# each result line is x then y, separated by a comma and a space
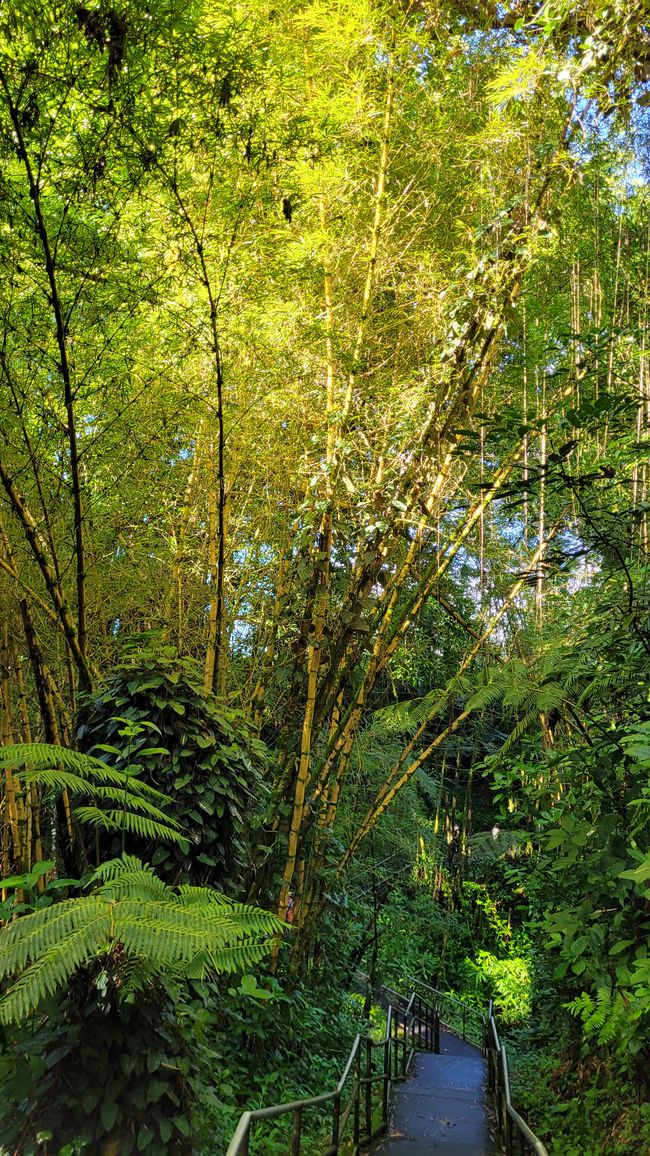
189, 895
550, 697
529, 720
600, 1011
136, 806
127, 820
238, 958
52, 970
485, 696
406, 716
162, 931
42, 761
120, 867
607, 680
521, 696
128, 876
135, 803
33, 936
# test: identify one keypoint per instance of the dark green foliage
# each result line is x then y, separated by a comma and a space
212, 769
104, 1071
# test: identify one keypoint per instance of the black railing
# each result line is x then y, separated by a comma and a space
515, 1137
360, 1103
461, 1018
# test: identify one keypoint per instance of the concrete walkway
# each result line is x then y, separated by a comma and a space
440, 1108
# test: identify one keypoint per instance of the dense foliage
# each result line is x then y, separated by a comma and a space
324, 383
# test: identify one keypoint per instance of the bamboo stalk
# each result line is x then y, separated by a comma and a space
12, 783
387, 797
393, 627
39, 550
543, 456
395, 772
61, 326
334, 464
181, 536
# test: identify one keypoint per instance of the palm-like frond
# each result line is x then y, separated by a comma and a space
185, 933
136, 807
525, 723
38, 759
485, 695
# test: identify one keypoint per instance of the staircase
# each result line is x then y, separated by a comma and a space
442, 1106
431, 1085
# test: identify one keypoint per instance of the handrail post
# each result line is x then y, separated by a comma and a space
336, 1122
504, 1102
357, 1099
297, 1129
386, 1087
436, 1032
369, 1088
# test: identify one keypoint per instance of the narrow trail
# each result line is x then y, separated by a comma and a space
441, 1107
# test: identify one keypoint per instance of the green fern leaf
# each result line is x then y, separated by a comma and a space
161, 931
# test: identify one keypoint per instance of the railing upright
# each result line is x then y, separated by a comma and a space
336, 1121
357, 1096
369, 1089
386, 1084
297, 1130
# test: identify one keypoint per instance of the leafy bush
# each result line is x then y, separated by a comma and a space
206, 757
99, 1074
506, 982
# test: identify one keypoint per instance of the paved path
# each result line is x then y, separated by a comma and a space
440, 1108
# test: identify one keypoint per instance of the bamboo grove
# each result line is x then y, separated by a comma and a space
302, 310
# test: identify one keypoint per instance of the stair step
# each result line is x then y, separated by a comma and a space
440, 1108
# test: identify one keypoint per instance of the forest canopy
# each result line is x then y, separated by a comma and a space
324, 514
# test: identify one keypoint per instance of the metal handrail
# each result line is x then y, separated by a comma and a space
465, 1015
415, 1026
514, 1132
515, 1135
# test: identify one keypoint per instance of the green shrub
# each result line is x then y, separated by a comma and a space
206, 757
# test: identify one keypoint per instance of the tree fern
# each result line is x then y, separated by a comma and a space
121, 800
184, 932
